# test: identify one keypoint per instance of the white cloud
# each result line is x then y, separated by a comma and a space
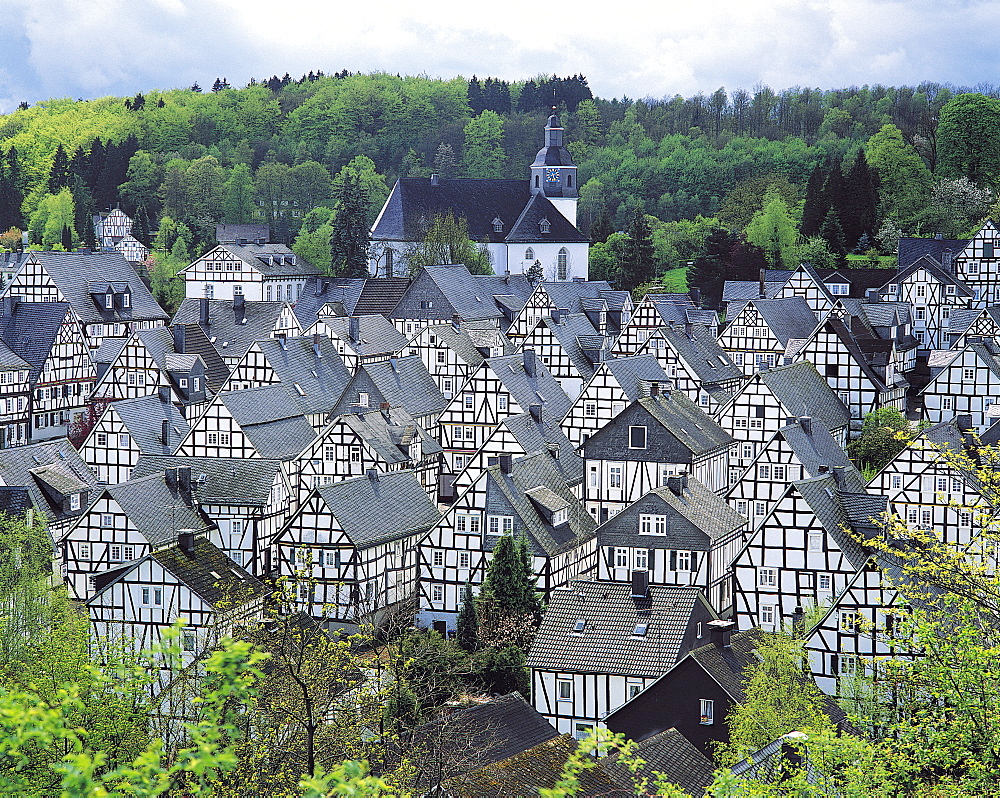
636, 48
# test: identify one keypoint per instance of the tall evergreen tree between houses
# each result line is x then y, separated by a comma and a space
814, 210
638, 266
833, 234
708, 272
467, 624
350, 238
10, 192
59, 171
140, 226
835, 195
861, 217
509, 606
67, 239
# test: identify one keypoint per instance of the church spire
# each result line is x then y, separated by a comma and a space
553, 172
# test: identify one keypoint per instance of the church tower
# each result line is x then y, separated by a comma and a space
554, 174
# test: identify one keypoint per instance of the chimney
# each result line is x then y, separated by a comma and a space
536, 411
676, 485
556, 316
239, 308
203, 311
384, 407
163, 392
640, 584
684, 481
165, 432
184, 483
720, 633
316, 350
282, 340
180, 339
434, 180
789, 420
456, 322
372, 475
762, 292
798, 616
170, 478
838, 475
948, 261
504, 461
872, 295
806, 423
354, 329
689, 330
529, 362
185, 541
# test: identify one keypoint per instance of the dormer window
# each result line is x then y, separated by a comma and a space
497, 224
109, 300
637, 437
544, 226
126, 300
74, 501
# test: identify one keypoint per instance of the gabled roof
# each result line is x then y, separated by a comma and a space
376, 334
143, 417
157, 510
727, 665
687, 422
402, 382
577, 336
909, 250
669, 754
842, 508
608, 642
73, 273
209, 573
699, 349
738, 292
381, 295
541, 389
389, 433
531, 227
311, 367
542, 435
271, 260
936, 270
272, 418
232, 334
469, 338
379, 507
30, 331
673, 311
787, 318
816, 447
961, 319
244, 481
341, 292
630, 372
570, 295
802, 391
233, 233
469, 297
696, 517
539, 469
19, 464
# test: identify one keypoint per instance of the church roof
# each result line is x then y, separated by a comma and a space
531, 228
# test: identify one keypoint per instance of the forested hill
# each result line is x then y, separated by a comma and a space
272, 150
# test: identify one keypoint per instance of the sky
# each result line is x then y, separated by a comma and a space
634, 48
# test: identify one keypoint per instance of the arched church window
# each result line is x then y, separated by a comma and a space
529, 254
569, 180
562, 264
536, 181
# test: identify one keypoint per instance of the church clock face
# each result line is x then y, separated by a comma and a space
551, 175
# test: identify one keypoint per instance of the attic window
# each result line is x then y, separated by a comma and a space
497, 224
544, 225
126, 300
641, 629
298, 388
637, 437
580, 625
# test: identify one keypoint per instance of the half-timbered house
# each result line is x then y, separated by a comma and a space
806, 549
103, 290
15, 399
398, 382
660, 436
257, 272
680, 534
127, 429
968, 323
500, 387
570, 346
616, 383
659, 310
451, 352
125, 522
978, 265
232, 326
933, 293
350, 548
759, 332
602, 643
327, 296
361, 339
188, 580
247, 501
805, 282
527, 496
967, 384
609, 310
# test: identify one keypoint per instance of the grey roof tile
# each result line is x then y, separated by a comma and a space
630, 372
157, 510
244, 481
233, 333
526, 390
376, 334
143, 418
671, 754
802, 391
19, 464
309, 366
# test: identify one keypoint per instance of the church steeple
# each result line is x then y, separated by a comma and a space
553, 172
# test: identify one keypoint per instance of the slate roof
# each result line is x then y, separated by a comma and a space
842, 507
15, 501
377, 335
402, 382
727, 665
470, 298
9, 360
210, 574
272, 419
232, 233
157, 510
687, 422
695, 519
414, 202
909, 250
630, 372
961, 319
787, 318
319, 380
526, 773
143, 417
933, 265
540, 435
682, 312
570, 295
341, 292
30, 332
271, 260
381, 295
538, 469
608, 643
380, 509
528, 227
700, 351
803, 391
19, 465
231, 337
72, 272
741, 291
671, 754
242, 481
541, 389
577, 335
814, 448
387, 431
481, 734
470, 336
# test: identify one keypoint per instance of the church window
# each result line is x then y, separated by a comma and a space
562, 261
544, 225
536, 181
497, 224
529, 254
569, 180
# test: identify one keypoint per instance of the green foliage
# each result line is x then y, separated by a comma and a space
501, 670
237, 207
884, 434
637, 264
775, 231
313, 241
446, 242
350, 235
905, 181
510, 608
484, 155
55, 213
467, 623
969, 139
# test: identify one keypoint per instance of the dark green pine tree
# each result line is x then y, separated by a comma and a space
601, 227
637, 266
467, 623
862, 202
94, 165
83, 208
351, 238
10, 192
509, 607
59, 171
708, 272
833, 234
835, 198
140, 226
814, 209
67, 239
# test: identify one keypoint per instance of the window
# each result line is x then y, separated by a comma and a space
824, 583
683, 561
767, 577
468, 399
213, 438
84, 551
848, 665
590, 409
703, 400
965, 519
437, 593
529, 254
920, 314
987, 249
968, 374
707, 712
562, 262
564, 689
184, 382
189, 639
115, 553
897, 481
779, 473
972, 267
464, 559
641, 559
102, 439
759, 508
470, 433
107, 520
767, 615
621, 558
921, 291
815, 541
763, 471
747, 451
949, 290
615, 477
437, 557
633, 688
849, 621
74, 501
636, 437
152, 596
946, 403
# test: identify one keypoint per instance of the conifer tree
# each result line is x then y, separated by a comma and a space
833, 234
601, 228
814, 209
638, 266
59, 171
468, 620
350, 237
509, 606
10, 192
861, 218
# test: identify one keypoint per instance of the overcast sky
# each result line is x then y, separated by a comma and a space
638, 48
